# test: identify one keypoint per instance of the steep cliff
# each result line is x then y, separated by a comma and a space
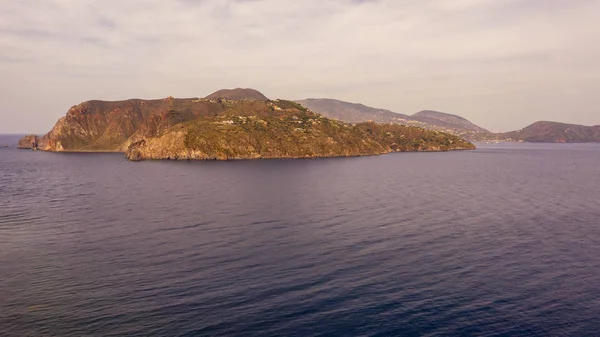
113, 126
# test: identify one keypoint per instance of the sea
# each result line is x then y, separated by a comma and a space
500, 241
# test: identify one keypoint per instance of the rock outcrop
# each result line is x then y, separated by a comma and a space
29, 142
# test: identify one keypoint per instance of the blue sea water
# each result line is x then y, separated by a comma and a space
500, 241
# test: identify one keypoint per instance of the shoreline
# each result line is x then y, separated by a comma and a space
295, 157
248, 159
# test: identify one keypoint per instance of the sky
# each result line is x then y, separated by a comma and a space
502, 64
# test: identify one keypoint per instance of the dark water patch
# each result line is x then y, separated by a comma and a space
499, 241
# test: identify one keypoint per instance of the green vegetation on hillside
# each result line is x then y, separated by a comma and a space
285, 132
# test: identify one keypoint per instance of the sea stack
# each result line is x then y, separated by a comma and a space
29, 142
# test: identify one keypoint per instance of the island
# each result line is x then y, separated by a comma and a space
226, 125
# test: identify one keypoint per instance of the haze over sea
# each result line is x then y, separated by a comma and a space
503, 240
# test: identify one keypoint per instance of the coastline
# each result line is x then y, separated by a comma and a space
253, 158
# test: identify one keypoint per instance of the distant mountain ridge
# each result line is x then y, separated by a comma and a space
542, 131
351, 112
356, 113
555, 132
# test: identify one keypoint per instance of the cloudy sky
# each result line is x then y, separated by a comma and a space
500, 63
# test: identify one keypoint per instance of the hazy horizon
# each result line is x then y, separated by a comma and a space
500, 64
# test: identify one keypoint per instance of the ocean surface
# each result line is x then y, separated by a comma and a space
500, 241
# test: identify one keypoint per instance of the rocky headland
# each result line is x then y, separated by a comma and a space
229, 124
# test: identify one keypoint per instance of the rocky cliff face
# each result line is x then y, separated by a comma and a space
113, 126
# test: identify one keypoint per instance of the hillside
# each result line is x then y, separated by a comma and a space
113, 126
447, 121
356, 113
222, 128
554, 132
352, 112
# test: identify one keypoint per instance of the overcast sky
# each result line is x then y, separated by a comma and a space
503, 64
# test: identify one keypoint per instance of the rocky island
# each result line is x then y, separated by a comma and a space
228, 124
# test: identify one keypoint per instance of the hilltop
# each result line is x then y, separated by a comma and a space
239, 94
217, 127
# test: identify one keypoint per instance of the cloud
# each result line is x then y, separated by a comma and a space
500, 63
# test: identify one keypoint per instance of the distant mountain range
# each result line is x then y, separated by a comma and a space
546, 132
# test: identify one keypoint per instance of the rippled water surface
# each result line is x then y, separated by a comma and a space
504, 240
